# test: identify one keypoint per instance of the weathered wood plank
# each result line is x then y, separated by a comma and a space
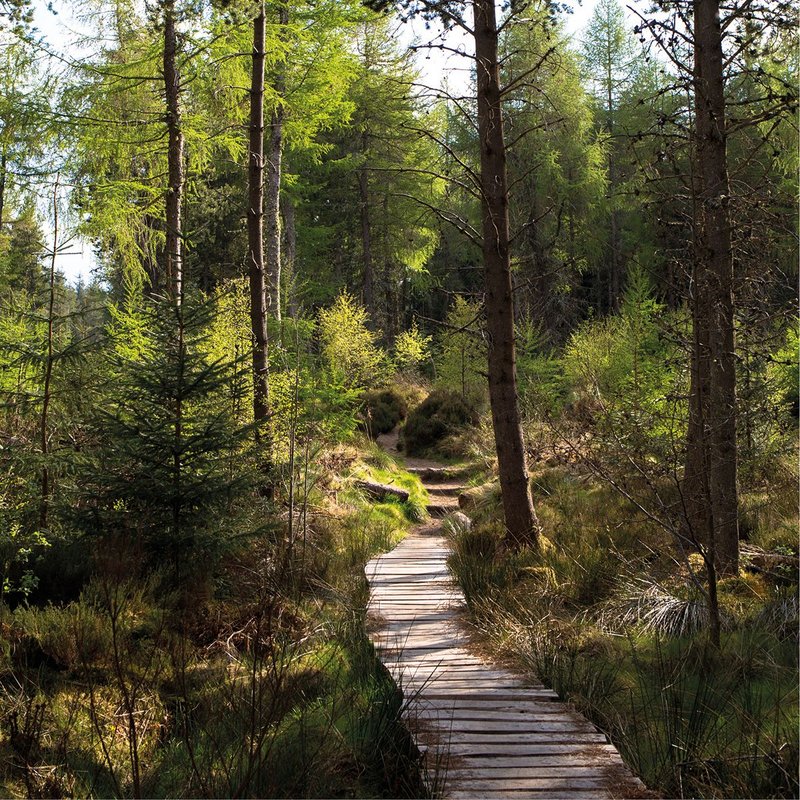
507, 736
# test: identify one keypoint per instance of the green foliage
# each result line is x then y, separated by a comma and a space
461, 353
782, 370
170, 457
440, 415
411, 350
349, 346
540, 377
18, 543
627, 378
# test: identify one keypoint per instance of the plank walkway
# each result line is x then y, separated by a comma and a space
497, 734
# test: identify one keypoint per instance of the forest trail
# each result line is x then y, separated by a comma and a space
499, 734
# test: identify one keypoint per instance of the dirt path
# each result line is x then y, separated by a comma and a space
500, 735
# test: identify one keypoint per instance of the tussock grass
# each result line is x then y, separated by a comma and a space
602, 614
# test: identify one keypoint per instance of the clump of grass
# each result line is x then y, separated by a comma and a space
441, 415
653, 608
388, 473
600, 613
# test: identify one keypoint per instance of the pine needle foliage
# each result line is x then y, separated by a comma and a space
170, 454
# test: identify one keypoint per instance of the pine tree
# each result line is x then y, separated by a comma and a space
170, 456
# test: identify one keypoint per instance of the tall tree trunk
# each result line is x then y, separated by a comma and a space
368, 274
711, 444
3, 166
389, 321
273, 182
255, 242
173, 250
44, 432
522, 526
289, 254
614, 247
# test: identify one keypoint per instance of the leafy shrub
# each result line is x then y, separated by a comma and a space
440, 415
411, 349
383, 410
348, 345
462, 355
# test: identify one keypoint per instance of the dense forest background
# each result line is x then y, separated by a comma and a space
286, 217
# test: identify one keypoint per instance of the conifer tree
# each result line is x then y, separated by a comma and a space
169, 457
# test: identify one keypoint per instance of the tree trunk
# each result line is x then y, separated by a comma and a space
255, 240
273, 183
614, 238
173, 249
289, 254
368, 274
522, 526
711, 444
3, 165
44, 432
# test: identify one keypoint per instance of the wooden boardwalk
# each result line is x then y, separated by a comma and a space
497, 734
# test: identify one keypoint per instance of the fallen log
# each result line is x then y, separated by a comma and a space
380, 491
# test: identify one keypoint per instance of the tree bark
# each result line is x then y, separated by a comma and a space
614, 238
255, 239
368, 273
273, 182
711, 443
173, 249
3, 166
44, 431
522, 526
289, 254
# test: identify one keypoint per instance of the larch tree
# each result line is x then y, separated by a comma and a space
556, 175
395, 175
612, 62
255, 232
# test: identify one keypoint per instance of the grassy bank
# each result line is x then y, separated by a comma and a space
259, 682
608, 616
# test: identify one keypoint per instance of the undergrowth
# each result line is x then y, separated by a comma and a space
604, 613
261, 683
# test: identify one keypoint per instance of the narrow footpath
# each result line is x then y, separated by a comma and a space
486, 731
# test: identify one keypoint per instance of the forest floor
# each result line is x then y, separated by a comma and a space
486, 731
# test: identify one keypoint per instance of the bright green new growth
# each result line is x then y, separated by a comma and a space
349, 346
461, 360
411, 349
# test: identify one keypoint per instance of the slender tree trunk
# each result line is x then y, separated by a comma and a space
289, 254
368, 274
273, 182
522, 526
44, 433
173, 250
255, 240
711, 444
3, 167
614, 271
390, 327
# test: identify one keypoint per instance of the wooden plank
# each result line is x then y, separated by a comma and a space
529, 749
509, 736
516, 783
503, 725
573, 770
